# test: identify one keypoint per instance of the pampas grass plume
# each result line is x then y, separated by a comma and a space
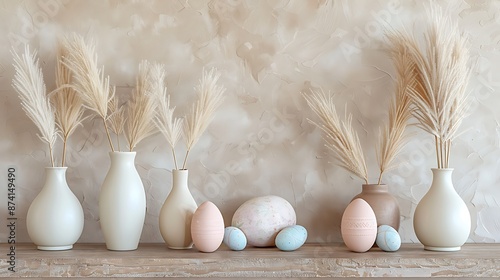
67, 102
392, 136
89, 80
141, 109
442, 75
116, 118
340, 136
28, 83
210, 96
170, 127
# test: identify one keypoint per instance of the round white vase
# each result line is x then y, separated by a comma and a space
177, 212
55, 217
442, 220
122, 203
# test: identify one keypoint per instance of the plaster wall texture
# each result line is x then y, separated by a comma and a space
260, 141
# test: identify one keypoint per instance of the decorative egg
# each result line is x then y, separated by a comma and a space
291, 238
261, 219
388, 238
207, 227
235, 239
359, 226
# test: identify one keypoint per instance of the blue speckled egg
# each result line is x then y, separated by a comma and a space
388, 238
235, 239
291, 238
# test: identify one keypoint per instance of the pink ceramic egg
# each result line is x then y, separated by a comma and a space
207, 227
359, 226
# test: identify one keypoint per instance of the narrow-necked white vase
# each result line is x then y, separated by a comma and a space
177, 212
442, 220
122, 203
55, 217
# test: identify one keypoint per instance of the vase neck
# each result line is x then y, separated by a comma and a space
442, 177
122, 158
375, 188
180, 179
55, 177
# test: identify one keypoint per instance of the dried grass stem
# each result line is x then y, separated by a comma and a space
340, 136
210, 96
141, 109
28, 83
442, 74
89, 80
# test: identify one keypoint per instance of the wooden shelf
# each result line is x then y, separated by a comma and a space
312, 260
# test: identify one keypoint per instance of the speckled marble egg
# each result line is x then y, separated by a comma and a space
235, 239
388, 238
291, 238
359, 226
261, 219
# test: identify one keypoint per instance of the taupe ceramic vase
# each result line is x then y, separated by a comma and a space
385, 206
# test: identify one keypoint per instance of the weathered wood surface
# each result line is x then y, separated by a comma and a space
312, 260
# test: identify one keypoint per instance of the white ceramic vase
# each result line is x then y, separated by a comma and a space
442, 220
55, 217
122, 203
177, 212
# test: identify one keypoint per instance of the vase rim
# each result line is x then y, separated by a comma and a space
56, 167
375, 188
373, 185
124, 153
180, 170
443, 169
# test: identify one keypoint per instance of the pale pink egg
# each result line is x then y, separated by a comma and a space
359, 226
207, 227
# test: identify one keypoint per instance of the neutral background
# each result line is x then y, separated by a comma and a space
260, 141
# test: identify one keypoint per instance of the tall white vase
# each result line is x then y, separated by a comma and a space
442, 220
177, 212
55, 217
122, 203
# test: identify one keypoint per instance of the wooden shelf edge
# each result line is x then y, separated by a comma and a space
312, 260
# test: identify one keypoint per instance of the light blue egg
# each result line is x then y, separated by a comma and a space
291, 238
388, 238
235, 239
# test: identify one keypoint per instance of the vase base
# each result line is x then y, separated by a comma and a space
55, 248
121, 249
442, 249
180, 248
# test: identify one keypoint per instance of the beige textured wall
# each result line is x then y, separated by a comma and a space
260, 141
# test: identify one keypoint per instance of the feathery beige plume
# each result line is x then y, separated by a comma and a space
29, 84
88, 78
442, 76
392, 136
169, 126
116, 118
340, 136
210, 97
141, 109
67, 103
